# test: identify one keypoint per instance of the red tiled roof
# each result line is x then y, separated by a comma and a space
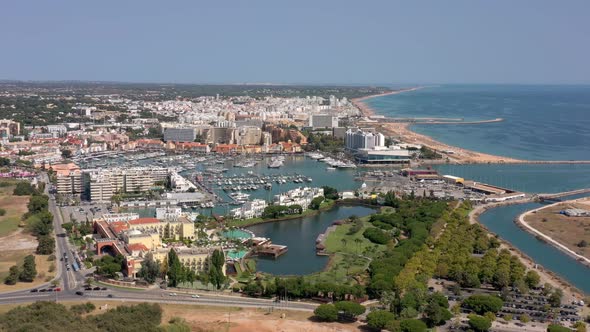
144, 221
137, 247
118, 226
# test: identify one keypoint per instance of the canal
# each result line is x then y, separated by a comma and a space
501, 221
300, 235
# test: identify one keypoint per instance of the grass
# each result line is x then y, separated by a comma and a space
350, 254
16, 257
15, 207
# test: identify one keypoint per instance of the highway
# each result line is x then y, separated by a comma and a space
71, 284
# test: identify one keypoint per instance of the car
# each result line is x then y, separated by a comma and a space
80, 293
88, 288
195, 296
34, 290
57, 289
43, 290
96, 288
173, 294
103, 288
110, 295
68, 269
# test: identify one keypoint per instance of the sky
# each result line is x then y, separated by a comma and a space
316, 42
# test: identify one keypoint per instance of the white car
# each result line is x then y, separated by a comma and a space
173, 294
195, 296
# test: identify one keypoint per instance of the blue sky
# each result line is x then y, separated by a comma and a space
321, 41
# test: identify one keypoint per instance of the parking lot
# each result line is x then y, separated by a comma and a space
79, 213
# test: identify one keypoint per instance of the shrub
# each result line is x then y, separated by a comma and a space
376, 235
479, 323
378, 319
481, 304
557, 328
2, 212
326, 312
413, 325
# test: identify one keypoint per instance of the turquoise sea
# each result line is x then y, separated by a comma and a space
541, 122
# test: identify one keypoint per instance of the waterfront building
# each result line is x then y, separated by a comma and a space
179, 134
360, 139
105, 183
298, 196
248, 135
115, 217
250, 209
382, 156
323, 121
168, 213
180, 183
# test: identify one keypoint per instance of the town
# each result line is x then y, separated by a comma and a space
139, 183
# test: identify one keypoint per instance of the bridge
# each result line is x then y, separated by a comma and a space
556, 197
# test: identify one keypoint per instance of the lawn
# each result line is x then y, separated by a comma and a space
350, 254
15, 207
15, 257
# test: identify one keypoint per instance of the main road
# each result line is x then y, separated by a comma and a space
71, 284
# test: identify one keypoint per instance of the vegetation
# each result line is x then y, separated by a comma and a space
413, 325
376, 235
108, 266
321, 142
23, 188
481, 304
216, 276
326, 312
557, 328
479, 323
150, 269
316, 203
330, 193
29, 271
379, 319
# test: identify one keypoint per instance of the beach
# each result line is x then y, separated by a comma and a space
402, 131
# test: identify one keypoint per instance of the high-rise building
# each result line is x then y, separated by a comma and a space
323, 121
180, 134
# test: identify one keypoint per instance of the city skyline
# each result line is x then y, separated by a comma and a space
307, 43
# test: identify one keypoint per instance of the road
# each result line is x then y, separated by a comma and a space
71, 284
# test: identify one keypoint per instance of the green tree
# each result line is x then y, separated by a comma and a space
532, 279
479, 323
350, 309
38, 203
46, 245
481, 304
13, 274
557, 328
316, 203
330, 193
378, 319
524, 318
326, 312
29, 271
150, 269
413, 325
66, 154
174, 269
216, 275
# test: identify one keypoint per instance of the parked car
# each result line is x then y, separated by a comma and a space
80, 293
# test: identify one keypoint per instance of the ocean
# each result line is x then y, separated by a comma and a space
541, 122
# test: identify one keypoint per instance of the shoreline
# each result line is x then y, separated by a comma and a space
403, 131
524, 225
547, 275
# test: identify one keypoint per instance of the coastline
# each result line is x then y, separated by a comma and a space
547, 276
403, 131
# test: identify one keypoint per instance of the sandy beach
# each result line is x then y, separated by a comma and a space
402, 131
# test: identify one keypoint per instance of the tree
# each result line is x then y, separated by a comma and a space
557, 328
413, 325
435, 314
330, 193
555, 298
580, 326
532, 279
316, 203
479, 323
38, 203
378, 319
23, 189
29, 271
13, 274
524, 318
150, 269
174, 269
481, 304
46, 245
350, 309
326, 312
582, 244
216, 275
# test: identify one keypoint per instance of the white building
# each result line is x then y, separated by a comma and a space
359, 139
168, 213
323, 121
180, 183
298, 196
251, 209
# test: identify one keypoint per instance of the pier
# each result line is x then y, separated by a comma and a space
557, 196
